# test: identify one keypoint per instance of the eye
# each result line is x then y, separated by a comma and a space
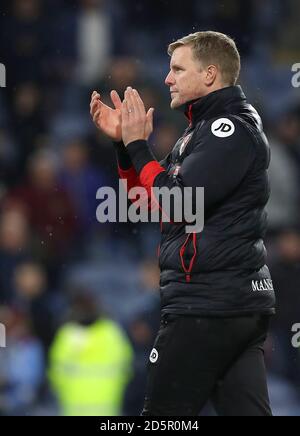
177, 69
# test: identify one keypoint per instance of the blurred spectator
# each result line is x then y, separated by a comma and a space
142, 328
81, 180
236, 19
283, 207
61, 40
90, 361
45, 308
8, 160
289, 134
94, 39
25, 30
27, 121
283, 397
121, 72
285, 270
14, 249
49, 208
286, 48
21, 365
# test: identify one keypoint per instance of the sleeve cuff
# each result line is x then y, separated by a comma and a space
140, 154
124, 161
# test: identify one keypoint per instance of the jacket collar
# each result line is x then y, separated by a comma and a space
223, 101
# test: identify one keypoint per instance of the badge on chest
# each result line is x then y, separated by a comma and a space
174, 171
184, 143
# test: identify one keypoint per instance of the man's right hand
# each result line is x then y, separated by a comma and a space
109, 120
105, 118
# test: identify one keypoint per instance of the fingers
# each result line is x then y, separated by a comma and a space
94, 104
125, 112
149, 116
135, 103
115, 98
95, 96
139, 101
131, 104
96, 116
95, 107
149, 123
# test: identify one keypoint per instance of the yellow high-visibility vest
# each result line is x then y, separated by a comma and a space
89, 368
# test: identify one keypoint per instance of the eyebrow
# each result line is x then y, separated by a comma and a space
175, 66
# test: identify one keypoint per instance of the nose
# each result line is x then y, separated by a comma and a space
169, 81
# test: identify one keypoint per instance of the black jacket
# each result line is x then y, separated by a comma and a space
221, 270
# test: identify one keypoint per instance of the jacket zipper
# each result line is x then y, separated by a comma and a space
188, 269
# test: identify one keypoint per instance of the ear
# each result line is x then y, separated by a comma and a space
211, 74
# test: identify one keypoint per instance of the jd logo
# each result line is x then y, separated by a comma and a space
153, 355
223, 128
2, 336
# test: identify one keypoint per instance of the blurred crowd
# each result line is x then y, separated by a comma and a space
79, 299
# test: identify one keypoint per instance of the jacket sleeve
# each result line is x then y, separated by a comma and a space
127, 171
125, 168
218, 164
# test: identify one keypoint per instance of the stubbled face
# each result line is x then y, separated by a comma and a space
186, 78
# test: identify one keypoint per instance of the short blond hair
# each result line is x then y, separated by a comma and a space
213, 48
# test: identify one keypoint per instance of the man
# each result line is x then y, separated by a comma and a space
216, 291
90, 360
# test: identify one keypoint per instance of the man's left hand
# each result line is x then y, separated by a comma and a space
136, 123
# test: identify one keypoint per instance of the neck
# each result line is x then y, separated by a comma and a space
216, 86
215, 103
